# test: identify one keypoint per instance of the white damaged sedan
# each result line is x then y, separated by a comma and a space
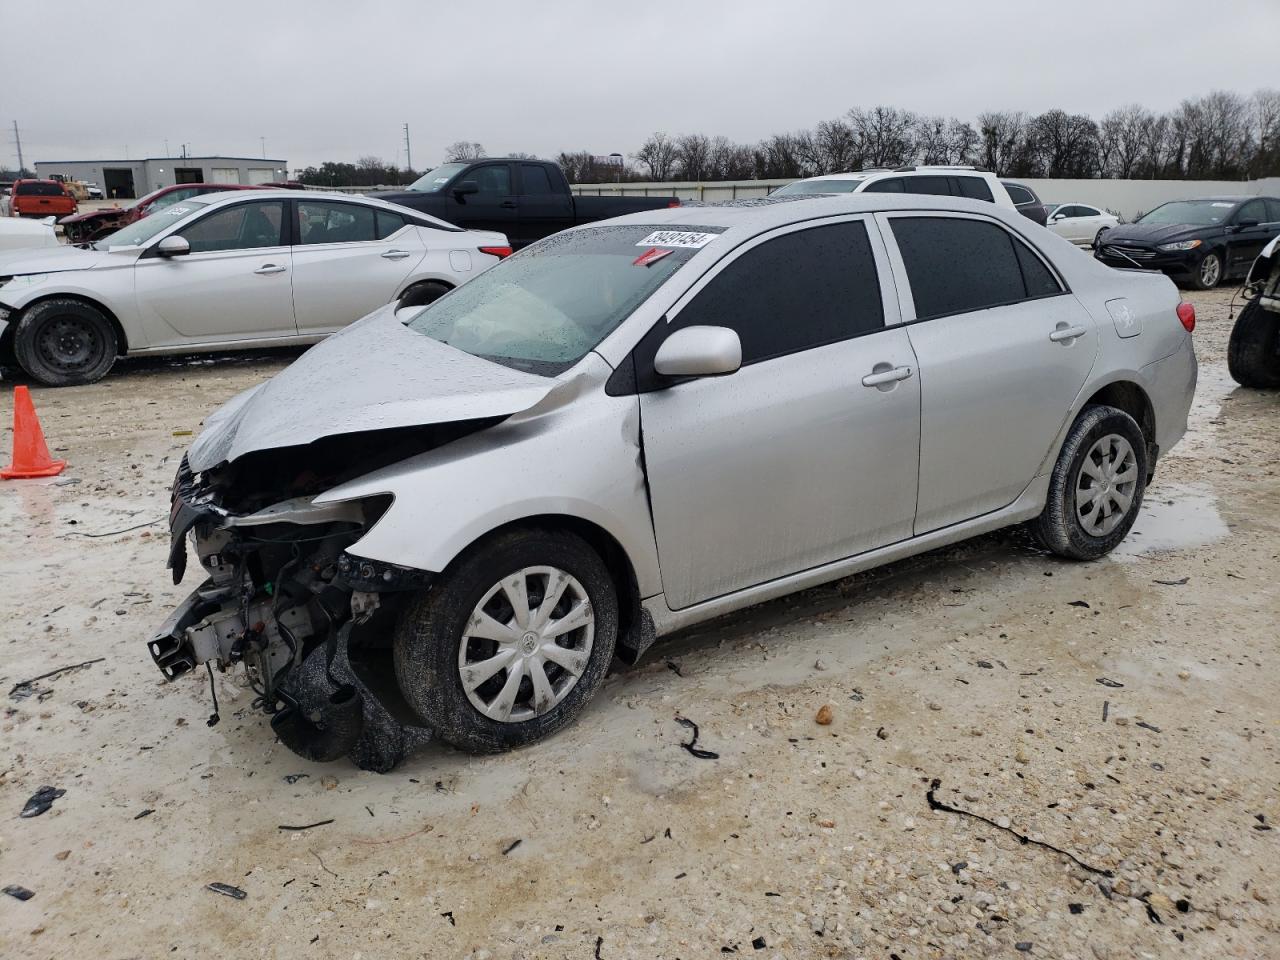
449, 519
226, 271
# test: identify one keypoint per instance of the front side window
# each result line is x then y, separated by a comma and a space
890, 185
169, 199
543, 309
1273, 211
1253, 210
321, 221
956, 265
794, 292
245, 226
493, 180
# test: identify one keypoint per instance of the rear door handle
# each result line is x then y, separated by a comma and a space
395, 255
886, 376
508, 204
267, 268
1067, 333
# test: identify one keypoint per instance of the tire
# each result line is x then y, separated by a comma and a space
430, 644
1066, 530
64, 342
1253, 352
420, 294
1097, 237
1208, 273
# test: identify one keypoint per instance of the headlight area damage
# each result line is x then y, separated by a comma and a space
310, 623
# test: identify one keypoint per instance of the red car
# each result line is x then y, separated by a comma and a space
41, 198
96, 224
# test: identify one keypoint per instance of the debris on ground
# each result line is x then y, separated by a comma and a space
16, 692
40, 802
692, 745
235, 893
1108, 682
825, 715
306, 826
19, 893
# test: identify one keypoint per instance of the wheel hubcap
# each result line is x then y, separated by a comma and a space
68, 343
526, 644
1209, 270
1106, 485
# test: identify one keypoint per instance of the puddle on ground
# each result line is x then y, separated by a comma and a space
1174, 518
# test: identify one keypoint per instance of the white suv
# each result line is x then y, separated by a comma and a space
947, 181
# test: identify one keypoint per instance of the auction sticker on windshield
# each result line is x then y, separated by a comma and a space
677, 238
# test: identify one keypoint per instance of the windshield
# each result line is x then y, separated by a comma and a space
1198, 213
817, 186
144, 230
433, 181
545, 308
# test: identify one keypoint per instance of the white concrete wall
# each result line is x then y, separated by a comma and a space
1128, 198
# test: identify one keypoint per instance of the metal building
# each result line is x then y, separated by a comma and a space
125, 179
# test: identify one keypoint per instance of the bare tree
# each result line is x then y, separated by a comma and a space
693, 156
836, 147
1001, 140
944, 140
658, 156
1121, 140
885, 135
464, 150
1066, 144
1266, 120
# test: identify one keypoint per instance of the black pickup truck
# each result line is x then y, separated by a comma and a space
525, 199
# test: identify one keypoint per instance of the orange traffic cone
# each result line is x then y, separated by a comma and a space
30, 455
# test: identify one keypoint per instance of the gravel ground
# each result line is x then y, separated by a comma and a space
1122, 716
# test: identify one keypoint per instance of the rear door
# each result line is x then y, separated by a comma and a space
1003, 348
233, 285
1245, 241
795, 460
545, 206
349, 259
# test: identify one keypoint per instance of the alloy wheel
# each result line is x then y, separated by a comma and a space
526, 644
1106, 484
1210, 270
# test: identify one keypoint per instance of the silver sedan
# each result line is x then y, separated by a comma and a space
637, 425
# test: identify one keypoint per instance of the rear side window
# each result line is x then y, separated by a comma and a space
934, 186
958, 265
1019, 194
322, 222
388, 223
798, 291
534, 179
975, 188
891, 185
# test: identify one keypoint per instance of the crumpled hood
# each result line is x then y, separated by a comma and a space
1156, 233
54, 260
374, 375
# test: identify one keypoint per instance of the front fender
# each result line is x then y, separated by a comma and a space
576, 454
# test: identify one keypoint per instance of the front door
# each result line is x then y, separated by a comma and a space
1003, 349
1248, 233
808, 453
349, 260
235, 284
492, 207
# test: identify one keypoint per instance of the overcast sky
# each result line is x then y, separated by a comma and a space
325, 80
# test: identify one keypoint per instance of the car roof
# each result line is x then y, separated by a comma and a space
282, 193
742, 218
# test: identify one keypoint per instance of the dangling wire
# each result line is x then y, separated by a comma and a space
213, 692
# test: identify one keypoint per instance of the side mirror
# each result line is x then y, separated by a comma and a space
465, 188
699, 352
1058, 216
173, 247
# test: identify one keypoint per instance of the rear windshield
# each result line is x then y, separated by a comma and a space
40, 188
1199, 213
545, 308
143, 230
817, 186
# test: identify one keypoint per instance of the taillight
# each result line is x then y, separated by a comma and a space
498, 252
1187, 314
674, 202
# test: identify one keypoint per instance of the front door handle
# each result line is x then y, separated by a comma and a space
395, 255
1064, 333
881, 377
267, 268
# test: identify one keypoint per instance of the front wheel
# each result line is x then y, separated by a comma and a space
508, 644
1253, 352
1096, 487
64, 342
1208, 272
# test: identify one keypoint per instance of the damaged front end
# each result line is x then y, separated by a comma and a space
309, 623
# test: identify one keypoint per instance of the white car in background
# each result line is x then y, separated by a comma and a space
226, 271
945, 181
19, 234
1080, 223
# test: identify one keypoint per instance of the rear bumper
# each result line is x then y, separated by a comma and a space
1171, 386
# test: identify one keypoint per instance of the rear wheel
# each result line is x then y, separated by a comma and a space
1096, 488
508, 644
420, 294
1253, 352
65, 342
